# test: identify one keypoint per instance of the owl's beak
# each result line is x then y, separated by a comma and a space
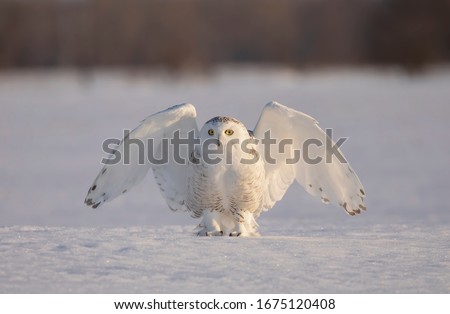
219, 142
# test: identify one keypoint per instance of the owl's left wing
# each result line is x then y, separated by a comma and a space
154, 134
299, 152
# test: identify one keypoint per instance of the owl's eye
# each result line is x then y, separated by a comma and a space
211, 132
229, 132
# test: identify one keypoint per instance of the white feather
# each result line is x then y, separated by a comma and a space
334, 182
116, 179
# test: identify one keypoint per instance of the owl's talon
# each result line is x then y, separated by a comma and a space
235, 234
214, 233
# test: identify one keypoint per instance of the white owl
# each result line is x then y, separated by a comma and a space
225, 174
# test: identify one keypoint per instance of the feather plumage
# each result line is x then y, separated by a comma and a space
230, 194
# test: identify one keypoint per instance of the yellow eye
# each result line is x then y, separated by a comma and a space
211, 132
229, 132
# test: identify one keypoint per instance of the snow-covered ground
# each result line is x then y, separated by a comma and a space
53, 123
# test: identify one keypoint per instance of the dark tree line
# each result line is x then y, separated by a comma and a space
201, 33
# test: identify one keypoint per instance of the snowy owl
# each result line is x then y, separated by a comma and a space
226, 174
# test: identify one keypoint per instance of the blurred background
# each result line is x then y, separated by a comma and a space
198, 34
75, 72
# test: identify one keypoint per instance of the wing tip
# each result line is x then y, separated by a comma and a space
91, 203
94, 201
353, 211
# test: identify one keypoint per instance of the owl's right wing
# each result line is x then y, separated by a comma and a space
321, 173
156, 152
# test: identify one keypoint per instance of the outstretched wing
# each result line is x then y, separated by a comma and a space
300, 145
147, 147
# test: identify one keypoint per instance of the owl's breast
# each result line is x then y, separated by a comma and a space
228, 188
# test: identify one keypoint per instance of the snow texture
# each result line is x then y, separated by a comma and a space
52, 125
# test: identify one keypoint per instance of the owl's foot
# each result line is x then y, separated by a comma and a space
216, 223
214, 233
203, 232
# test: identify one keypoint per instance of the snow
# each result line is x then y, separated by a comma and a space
172, 260
52, 125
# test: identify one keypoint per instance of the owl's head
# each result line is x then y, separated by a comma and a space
222, 130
